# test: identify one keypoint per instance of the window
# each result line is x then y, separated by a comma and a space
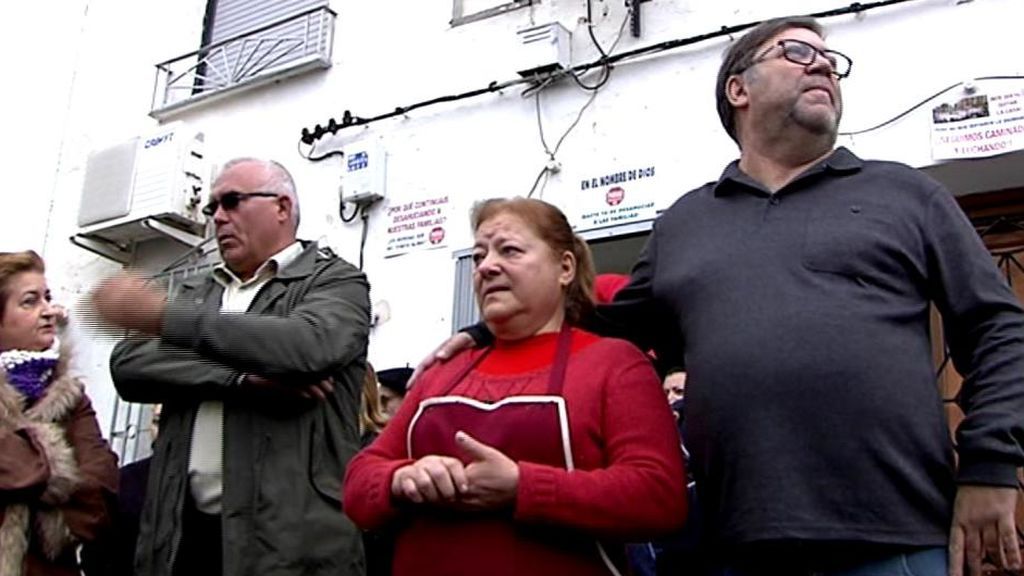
247, 42
464, 309
230, 18
464, 11
280, 40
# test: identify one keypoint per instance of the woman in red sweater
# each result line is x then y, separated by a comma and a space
537, 455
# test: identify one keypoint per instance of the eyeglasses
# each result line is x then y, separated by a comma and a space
231, 200
800, 52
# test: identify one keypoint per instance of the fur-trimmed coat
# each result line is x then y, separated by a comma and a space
58, 478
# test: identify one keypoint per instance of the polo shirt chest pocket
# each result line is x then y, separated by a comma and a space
856, 239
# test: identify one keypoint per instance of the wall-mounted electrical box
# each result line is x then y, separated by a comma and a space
365, 176
543, 49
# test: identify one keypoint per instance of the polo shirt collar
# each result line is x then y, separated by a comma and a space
841, 161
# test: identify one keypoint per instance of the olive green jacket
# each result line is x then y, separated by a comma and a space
284, 460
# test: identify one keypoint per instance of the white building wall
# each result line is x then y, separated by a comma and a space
657, 110
38, 78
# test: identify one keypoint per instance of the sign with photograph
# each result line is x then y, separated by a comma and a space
987, 122
419, 224
620, 195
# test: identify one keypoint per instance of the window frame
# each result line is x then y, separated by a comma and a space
459, 17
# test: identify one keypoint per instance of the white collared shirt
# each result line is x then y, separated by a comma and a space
206, 461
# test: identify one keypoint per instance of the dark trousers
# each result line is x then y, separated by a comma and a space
201, 546
797, 559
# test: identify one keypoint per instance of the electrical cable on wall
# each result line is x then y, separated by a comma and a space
310, 136
549, 168
309, 155
348, 120
606, 68
341, 212
364, 213
922, 103
590, 30
552, 165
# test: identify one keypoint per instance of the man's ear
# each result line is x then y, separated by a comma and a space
736, 91
285, 208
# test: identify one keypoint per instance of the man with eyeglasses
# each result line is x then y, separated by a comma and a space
259, 366
801, 281
800, 284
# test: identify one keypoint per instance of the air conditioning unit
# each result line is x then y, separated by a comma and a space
543, 49
148, 187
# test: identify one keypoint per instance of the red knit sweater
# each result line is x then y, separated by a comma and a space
629, 482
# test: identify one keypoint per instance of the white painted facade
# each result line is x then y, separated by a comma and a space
658, 110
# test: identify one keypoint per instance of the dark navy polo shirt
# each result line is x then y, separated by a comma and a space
803, 321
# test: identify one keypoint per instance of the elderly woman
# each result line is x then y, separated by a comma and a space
57, 475
540, 454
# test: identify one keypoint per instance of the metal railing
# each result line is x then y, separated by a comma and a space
278, 49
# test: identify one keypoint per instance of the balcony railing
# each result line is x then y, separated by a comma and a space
276, 50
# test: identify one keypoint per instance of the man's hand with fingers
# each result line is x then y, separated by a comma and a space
493, 478
983, 526
130, 301
430, 480
272, 389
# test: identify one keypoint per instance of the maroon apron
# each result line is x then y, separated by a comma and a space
525, 428
531, 428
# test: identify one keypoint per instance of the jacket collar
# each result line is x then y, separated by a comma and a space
303, 263
298, 267
841, 161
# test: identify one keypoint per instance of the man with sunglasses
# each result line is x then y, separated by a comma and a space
259, 366
800, 285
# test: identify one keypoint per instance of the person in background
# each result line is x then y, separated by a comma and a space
114, 555
58, 476
641, 556
371, 419
379, 545
525, 457
688, 551
259, 367
674, 385
393, 382
607, 285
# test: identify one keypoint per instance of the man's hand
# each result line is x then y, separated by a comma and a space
129, 301
493, 478
430, 480
983, 525
272, 389
61, 315
452, 346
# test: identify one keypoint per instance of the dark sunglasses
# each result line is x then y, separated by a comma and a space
230, 200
